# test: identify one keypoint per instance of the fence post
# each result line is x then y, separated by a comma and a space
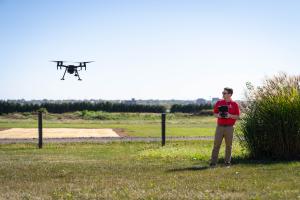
40, 124
163, 129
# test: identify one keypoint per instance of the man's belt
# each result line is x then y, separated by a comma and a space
225, 125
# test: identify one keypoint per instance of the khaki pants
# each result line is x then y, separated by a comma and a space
227, 133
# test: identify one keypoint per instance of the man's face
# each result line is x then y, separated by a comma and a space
226, 95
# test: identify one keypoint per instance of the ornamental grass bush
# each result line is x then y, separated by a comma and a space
270, 126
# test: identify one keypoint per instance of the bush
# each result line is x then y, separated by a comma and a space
96, 115
270, 127
43, 110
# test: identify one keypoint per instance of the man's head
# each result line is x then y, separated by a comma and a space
227, 93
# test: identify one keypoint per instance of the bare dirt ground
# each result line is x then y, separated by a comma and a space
31, 133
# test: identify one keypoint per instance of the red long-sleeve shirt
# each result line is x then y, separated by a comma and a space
233, 109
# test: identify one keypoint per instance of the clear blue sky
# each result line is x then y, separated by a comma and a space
145, 49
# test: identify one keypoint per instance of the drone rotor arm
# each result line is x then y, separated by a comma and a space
59, 63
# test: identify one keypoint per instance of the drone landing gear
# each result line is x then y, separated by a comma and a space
63, 78
77, 74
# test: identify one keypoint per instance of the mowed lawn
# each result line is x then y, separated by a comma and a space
134, 124
140, 170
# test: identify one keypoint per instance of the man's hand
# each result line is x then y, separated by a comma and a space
217, 115
233, 116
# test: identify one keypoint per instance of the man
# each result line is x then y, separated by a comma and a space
227, 111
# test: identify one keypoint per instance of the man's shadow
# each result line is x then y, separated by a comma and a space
193, 168
235, 162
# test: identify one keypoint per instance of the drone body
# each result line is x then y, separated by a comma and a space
71, 69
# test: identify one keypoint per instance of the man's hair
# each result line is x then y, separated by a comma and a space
229, 90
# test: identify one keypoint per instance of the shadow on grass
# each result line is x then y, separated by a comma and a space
194, 168
265, 161
236, 161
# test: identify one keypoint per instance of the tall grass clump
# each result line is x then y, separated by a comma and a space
270, 127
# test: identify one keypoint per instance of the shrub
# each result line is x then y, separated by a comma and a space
270, 127
43, 110
95, 115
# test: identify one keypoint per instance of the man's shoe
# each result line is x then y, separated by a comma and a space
212, 165
227, 165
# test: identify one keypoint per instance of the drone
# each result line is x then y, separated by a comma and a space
71, 69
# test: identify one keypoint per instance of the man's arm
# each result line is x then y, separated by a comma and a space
233, 116
237, 113
216, 110
217, 115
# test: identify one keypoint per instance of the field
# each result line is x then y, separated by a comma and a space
133, 124
137, 170
124, 170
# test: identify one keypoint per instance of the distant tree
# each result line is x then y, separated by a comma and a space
9, 107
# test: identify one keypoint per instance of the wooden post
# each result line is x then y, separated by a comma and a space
163, 129
40, 124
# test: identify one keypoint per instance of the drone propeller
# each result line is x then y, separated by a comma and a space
58, 62
83, 64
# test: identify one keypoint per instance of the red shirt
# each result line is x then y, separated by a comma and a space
233, 109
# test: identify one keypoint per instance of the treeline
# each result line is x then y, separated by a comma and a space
10, 107
190, 108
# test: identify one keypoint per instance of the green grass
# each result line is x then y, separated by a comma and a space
140, 171
136, 124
